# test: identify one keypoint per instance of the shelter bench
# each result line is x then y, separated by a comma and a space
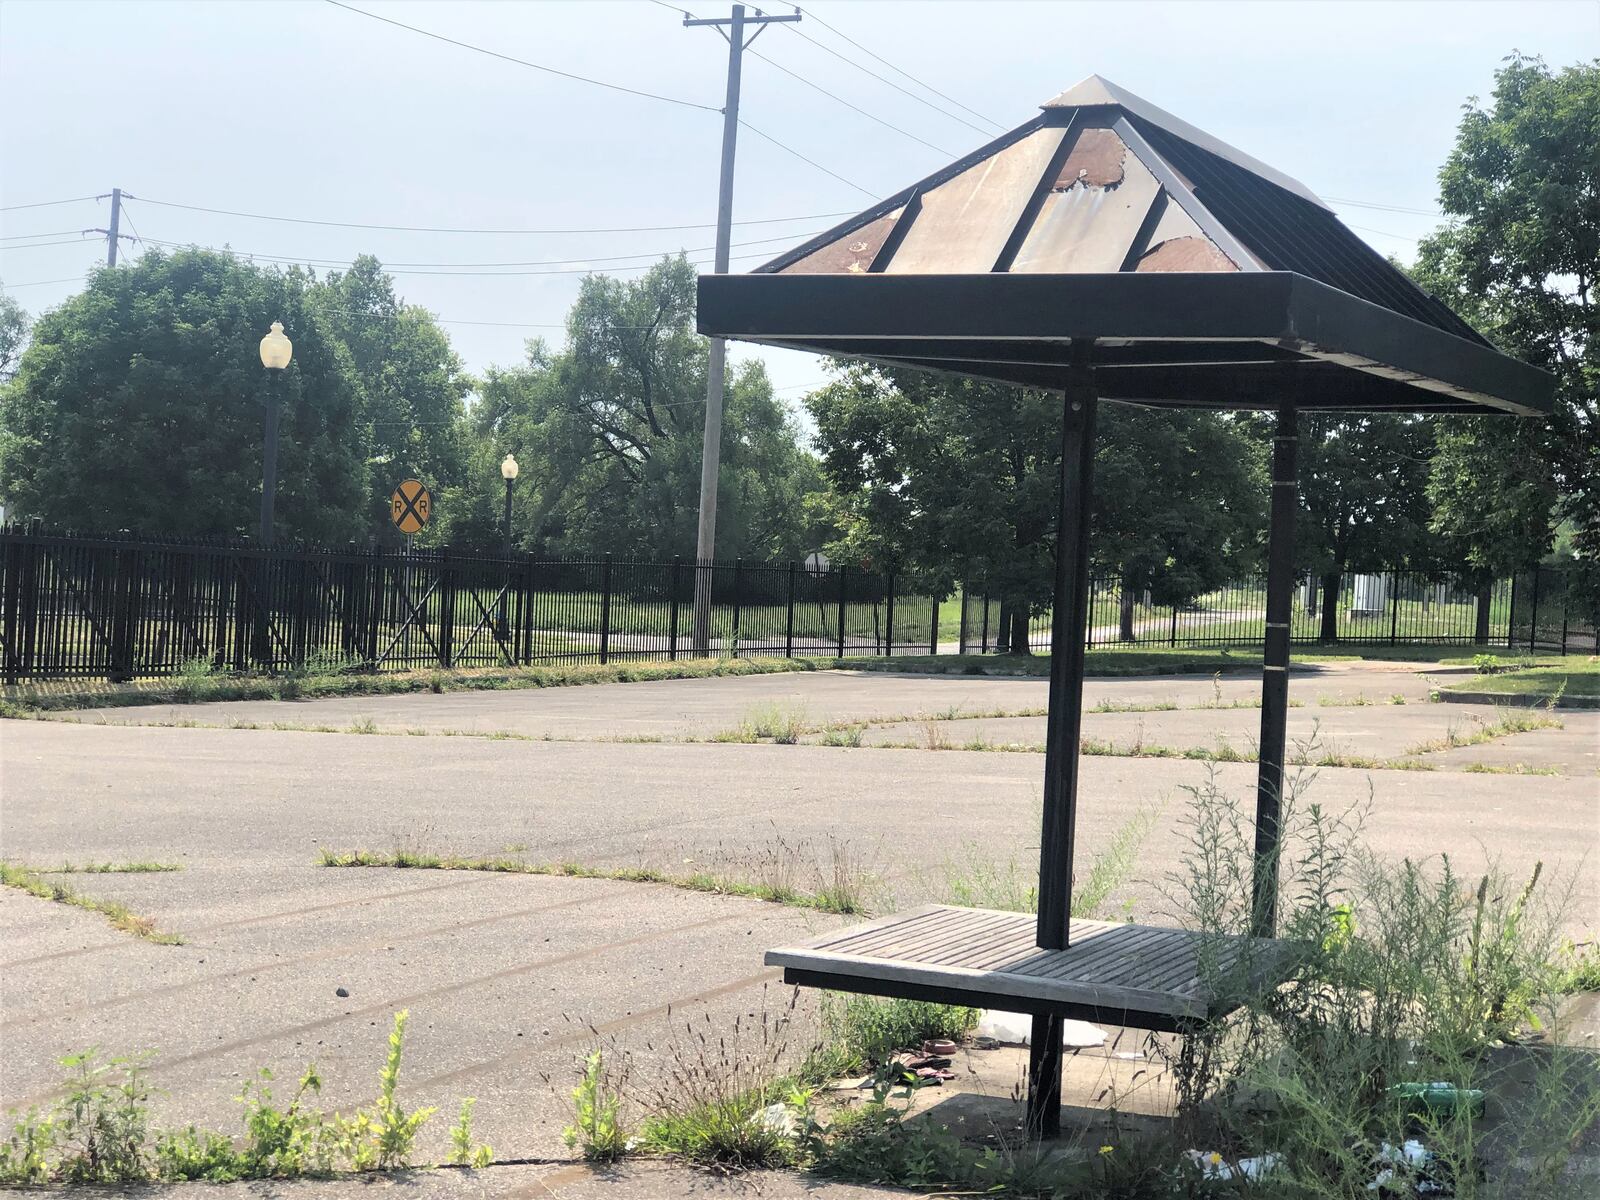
1141, 976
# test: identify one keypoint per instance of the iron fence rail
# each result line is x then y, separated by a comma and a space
126, 606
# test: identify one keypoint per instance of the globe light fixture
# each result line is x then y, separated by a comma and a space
508, 468
276, 348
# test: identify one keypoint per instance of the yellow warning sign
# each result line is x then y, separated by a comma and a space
410, 506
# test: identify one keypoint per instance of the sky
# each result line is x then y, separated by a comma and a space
302, 109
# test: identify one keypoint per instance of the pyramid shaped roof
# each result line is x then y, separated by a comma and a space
1102, 181
1106, 218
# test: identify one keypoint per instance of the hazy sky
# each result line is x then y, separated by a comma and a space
298, 108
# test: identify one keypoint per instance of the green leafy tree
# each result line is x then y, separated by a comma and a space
608, 435
958, 480
1521, 260
14, 325
138, 404
1363, 499
410, 386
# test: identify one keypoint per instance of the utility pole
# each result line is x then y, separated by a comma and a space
711, 446
113, 234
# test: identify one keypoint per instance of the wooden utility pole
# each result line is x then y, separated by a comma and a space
711, 446
114, 226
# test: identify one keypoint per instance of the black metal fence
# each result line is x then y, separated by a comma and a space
1530, 612
125, 607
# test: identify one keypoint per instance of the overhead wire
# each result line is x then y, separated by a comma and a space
897, 70
47, 203
852, 107
522, 62
316, 260
892, 84
42, 245
253, 216
17, 237
743, 124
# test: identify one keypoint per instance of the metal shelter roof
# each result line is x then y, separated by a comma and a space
1203, 276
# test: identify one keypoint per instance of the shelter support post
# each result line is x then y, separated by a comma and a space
1275, 673
1069, 623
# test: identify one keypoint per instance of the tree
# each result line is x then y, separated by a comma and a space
138, 404
611, 429
959, 479
1363, 498
14, 325
1521, 260
409, 384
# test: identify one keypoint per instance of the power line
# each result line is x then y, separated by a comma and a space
41, 282
853, 108
811, 162
1394, 208
313, 260
47, 203
251, 216
888, 82
899, 71
42, 245
522, 62
17, 237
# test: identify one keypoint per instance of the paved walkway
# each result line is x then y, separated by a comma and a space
503, 974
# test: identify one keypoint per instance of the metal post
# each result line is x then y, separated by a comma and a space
961, 636
269, 458
1069, 620
672, 607
933, 628
841, 610
1511, 611
983, 645
1394, 609
738, 578
500, 619
447, 611
605, 610
888, 641
711, 441
377, 590
1533, 616
788, 625
1275, 673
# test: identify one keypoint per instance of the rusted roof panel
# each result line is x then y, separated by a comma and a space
965, 222
1185, 254
1093, 214
852, 253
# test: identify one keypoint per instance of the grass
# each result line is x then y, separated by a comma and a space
113, 868
1575, 679
30, 700
1505, 724
120, 916
839, 886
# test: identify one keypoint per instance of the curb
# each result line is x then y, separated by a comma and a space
1516, 699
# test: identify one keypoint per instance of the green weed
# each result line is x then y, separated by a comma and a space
597, 1127
30, 880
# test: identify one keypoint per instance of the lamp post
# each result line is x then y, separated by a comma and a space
508, 472
276, 351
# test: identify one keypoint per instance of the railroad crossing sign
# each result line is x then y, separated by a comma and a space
410, 506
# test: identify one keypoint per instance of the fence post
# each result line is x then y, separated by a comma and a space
13, 598
1088, 625
842, 570
1172, 638
888, 636
1566, 605
961, 635
788, 624
933, 627
983, 646
447, 610
1511, 611
1533, 619
738, 578
121, 639
672, 607
1394, 608
605, 610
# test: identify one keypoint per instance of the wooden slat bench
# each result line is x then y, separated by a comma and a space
1117, 974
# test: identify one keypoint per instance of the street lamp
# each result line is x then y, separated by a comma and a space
276, 351
508, 472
